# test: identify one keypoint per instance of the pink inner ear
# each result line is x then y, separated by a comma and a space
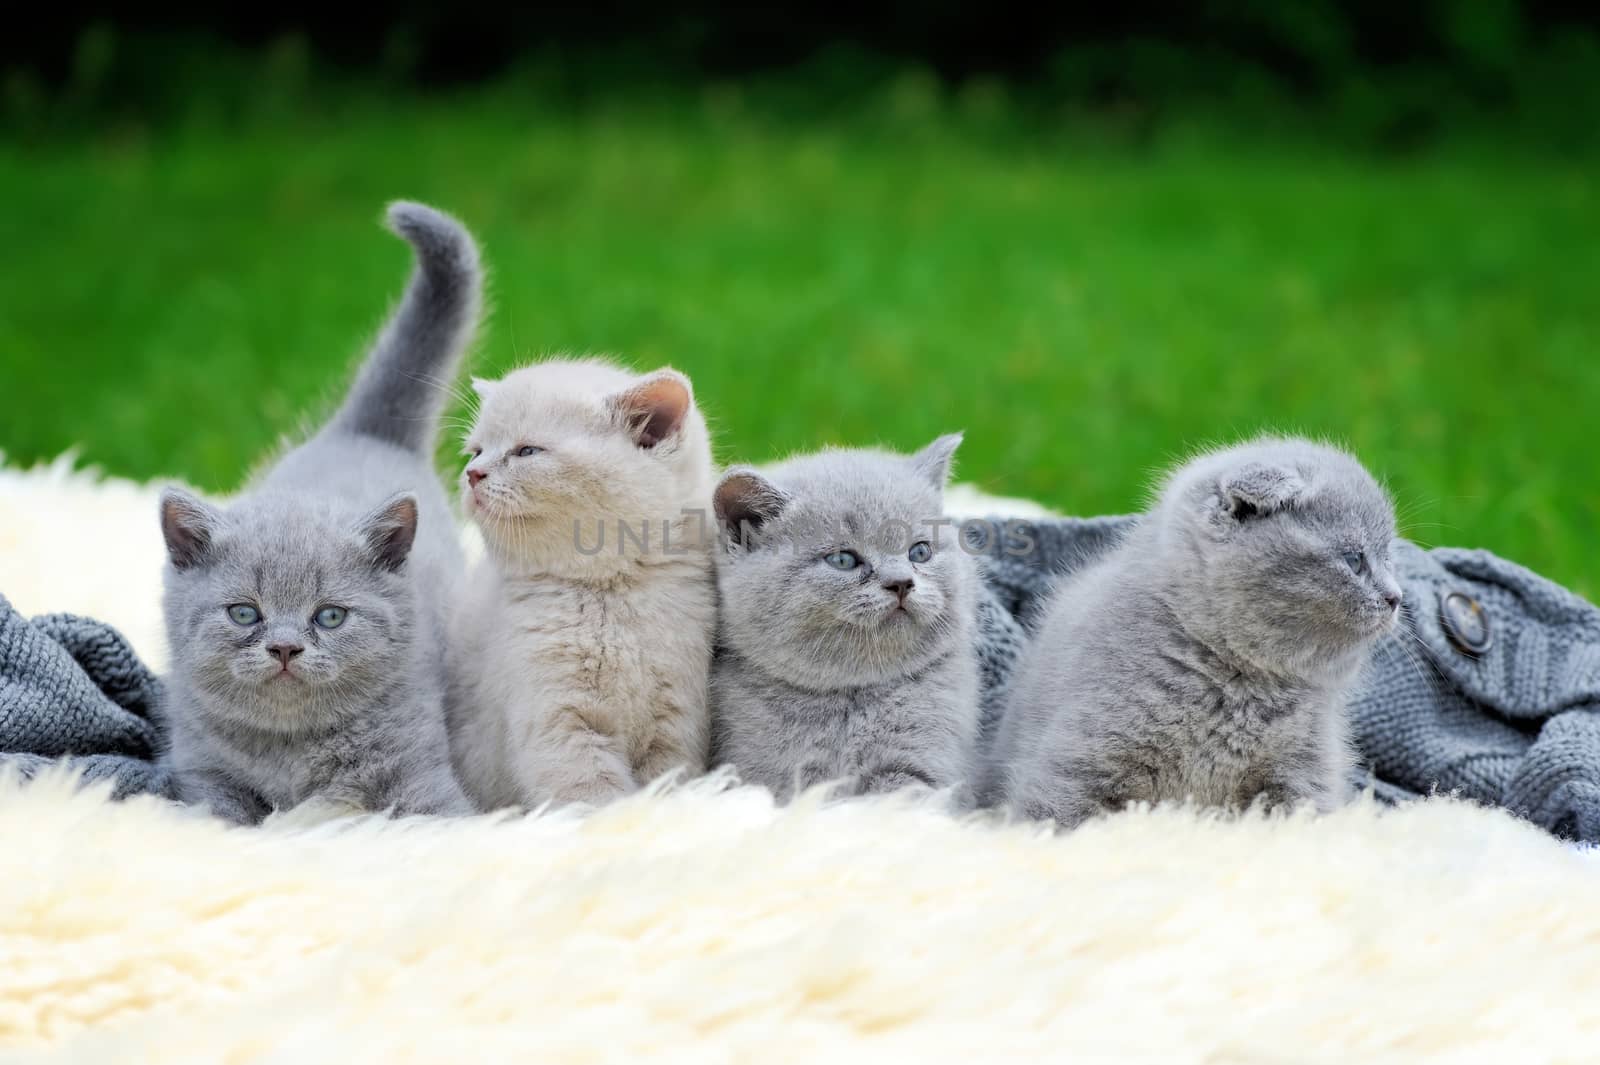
655, 409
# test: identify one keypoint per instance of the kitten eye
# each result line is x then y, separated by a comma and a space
1356, 561
243, 614
526, 450
842, 560
920, 551
330, 617
475, 451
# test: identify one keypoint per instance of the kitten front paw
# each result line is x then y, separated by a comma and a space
1286, 798
223, 799
594, 791
593, 782
443, 802
896, 778
664, 758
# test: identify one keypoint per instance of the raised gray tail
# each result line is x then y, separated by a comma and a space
401, 389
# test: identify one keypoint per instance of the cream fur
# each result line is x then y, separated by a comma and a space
703, 925
580, 659
72, 541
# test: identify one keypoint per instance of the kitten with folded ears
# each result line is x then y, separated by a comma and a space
845, 648
1210, 655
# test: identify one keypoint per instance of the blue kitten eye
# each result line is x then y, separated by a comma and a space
845, 560
330, 617
243, 614
920, 551
1356, 561
528, 449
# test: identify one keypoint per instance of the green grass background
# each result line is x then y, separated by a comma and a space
173, 301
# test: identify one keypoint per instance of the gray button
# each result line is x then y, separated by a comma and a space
1466, 622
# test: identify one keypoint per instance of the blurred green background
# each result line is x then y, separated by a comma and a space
1091, 262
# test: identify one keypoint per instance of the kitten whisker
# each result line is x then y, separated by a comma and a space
1424, 665
452, 388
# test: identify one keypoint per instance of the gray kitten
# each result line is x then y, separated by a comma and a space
845, 648
1209, 656
306, 619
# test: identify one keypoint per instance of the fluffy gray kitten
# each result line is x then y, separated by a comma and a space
306, 619
845, 648
1210, 655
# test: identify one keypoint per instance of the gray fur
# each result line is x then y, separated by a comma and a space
812, 681
355, 517
1210, 655
400, 390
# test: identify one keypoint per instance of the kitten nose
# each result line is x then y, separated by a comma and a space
284, 651
1393, 598
474, 476
901, 587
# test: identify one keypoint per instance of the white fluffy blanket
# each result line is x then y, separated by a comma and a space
703, 925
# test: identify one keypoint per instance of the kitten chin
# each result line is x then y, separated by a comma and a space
579, 668
847, 608
1210, 655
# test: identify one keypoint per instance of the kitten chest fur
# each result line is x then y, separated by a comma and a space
1239, 732
1176, 718
374, 752
919, 729
623, 661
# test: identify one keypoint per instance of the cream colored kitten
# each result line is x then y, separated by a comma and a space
581, 654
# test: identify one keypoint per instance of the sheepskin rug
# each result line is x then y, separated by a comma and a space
699, 923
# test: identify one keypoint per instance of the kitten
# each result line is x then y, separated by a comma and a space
845, 650
1210, 655
580, 657
306, 619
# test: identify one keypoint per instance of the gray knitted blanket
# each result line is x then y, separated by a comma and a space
1497, 698
73, 691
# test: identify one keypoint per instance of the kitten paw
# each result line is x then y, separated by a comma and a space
593, 791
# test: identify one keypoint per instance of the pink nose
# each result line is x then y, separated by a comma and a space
474, 476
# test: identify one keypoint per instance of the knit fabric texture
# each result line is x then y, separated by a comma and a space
1514, 722
72, 690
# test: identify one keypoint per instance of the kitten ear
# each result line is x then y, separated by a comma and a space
744, 501
390, 531
933, 461
482, 387
189, 525
1259, 488
653, 408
